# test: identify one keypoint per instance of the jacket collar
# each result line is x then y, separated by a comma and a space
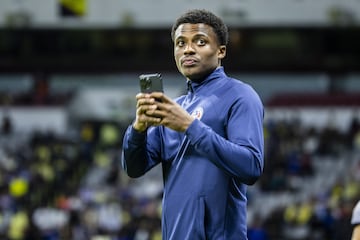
217, 73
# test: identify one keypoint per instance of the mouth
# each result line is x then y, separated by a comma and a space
188, 62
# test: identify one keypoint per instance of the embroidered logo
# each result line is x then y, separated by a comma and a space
198, 113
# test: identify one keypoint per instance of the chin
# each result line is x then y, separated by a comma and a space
191, 74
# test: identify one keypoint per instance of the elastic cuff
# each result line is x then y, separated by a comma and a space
137, 135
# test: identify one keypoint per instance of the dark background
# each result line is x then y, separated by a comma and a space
292, 49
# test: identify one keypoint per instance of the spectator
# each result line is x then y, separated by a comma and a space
355, 221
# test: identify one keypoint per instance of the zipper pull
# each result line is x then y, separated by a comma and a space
189, 86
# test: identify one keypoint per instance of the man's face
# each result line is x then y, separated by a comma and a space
197, 50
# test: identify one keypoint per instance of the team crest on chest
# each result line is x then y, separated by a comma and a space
198, 113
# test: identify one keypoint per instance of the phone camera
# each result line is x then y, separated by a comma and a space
146, 83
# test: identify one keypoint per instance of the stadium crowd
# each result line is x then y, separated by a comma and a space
71, 187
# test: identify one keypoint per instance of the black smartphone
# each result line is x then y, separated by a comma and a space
151, 83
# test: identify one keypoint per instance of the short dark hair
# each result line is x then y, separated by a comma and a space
203, 16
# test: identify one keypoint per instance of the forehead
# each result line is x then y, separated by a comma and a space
194, 29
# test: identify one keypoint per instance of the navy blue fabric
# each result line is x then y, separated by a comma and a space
206, 169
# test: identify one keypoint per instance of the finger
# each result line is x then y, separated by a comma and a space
141, 109
149, 120
156, 113
139, 96
142, 95
145, 101
160, 96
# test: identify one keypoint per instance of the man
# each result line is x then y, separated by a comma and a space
209, 141
355, 221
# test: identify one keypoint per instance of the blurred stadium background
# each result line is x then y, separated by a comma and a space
68, 75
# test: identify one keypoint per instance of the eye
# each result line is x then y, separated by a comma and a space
180, 43
201, 42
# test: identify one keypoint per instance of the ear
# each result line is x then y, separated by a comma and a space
222, 51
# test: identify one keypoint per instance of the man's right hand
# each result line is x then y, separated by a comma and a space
145, 105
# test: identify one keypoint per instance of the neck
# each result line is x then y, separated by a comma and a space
200, 79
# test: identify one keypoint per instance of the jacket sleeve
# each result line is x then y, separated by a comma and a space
138, 154
241, 152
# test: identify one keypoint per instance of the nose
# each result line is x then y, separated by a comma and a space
189, 49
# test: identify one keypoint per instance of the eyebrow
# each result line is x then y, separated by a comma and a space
198, 35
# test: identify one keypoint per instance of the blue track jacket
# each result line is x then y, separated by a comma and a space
206, 169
